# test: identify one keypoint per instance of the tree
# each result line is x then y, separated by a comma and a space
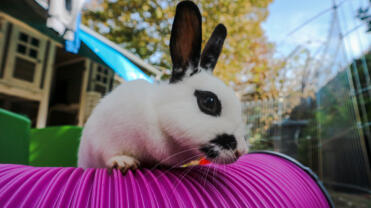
300, 76
143, 27
364, 14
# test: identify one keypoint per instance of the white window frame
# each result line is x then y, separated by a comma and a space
13, 54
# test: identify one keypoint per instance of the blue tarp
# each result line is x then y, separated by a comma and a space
114, 59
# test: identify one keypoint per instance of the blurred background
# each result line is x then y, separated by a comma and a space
300, 68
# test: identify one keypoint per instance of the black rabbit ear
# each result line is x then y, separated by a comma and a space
213, 47
185, 40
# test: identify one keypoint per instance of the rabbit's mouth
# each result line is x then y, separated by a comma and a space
218, 155
222, 149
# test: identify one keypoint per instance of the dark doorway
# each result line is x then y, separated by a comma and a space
66, 89
22, 106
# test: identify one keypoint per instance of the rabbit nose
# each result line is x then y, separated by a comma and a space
237, 154
225, 141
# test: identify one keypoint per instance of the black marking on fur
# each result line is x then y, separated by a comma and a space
209, 151
185, 40
213, 48
225, 141
194, 72
208, 102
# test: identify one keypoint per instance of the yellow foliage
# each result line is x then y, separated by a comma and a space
144, 28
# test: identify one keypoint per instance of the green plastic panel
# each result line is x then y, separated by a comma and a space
55, 146
14, 138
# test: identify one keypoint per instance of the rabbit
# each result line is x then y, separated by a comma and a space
194, 115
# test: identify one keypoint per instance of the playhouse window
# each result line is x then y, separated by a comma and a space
23, 37
35, 42
24, 69
103, 77
27, 57
28, 45
21, 49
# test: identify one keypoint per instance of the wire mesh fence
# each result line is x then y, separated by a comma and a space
328, 133
325, 122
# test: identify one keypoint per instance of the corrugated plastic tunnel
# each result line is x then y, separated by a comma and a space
261, 179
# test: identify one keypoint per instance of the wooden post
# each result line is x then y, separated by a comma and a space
84, 85
44, 102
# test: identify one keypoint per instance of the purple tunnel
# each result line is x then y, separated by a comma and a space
261, 179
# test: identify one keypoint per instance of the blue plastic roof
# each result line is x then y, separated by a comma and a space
114, 59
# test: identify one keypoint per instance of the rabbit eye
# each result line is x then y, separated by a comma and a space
208, 102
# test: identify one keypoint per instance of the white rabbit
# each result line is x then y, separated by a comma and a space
170, 124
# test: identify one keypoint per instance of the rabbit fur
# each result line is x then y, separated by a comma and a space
169, 123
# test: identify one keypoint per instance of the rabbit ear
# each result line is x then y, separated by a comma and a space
213, 47
185, 40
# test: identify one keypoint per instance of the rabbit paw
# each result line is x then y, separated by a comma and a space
123, 163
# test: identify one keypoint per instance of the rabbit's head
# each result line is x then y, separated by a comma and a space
198, 111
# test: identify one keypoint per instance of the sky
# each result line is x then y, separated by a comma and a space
286, 15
